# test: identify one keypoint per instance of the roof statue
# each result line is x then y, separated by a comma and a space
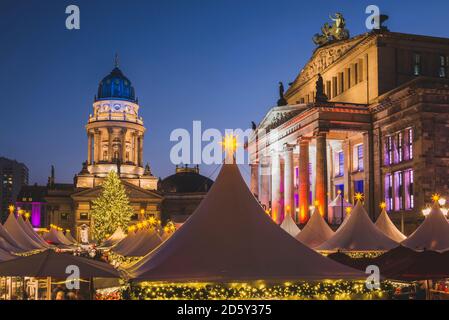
336, 32
281, 101
320, 95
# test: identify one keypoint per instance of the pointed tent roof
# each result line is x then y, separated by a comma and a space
63, 238
230, 238
69, 237
337, 202
316, 231
19, 235
432, 234
7, 246
358, 233
126, 243
115, 238
387, 226
30, 232
146, 241
5, 255
54, 237
9, 242
290, 226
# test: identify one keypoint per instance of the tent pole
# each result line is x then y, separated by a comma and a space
91, 288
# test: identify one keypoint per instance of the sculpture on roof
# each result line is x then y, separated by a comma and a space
336, 32
282, 101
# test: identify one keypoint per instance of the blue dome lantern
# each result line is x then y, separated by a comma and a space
116, 86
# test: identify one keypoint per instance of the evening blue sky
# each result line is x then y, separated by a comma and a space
218, 61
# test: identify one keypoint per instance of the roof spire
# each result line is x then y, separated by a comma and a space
116, 60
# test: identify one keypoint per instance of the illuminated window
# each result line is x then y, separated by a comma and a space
359, 150
340, 161
444, 62
410, 143
416, 64
398, 190
390, 157
400, 145
408, 190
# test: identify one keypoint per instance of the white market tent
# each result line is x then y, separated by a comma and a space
290, 226
316, 231
56, 237
8, 243
69, 237
125, 244
115, 238
146, 240
387, 226
358, 233
26, 226
432, 234
63, 238
230, 238
337, 210
5, 255
19, 235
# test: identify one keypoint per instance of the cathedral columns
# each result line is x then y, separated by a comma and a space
140, 150
110, 151
123, 149
304, 180
289, 202
97, 145
321, 173
255, 179
275, 187
89, 148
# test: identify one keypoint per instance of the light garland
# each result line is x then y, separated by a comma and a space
324, 290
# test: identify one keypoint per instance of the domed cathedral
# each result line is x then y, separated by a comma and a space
115, 135
183, 192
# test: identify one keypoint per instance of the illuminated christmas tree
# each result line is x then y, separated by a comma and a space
111, 209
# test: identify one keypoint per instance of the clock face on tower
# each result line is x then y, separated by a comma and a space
117, 107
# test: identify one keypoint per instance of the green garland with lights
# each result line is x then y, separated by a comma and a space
324, 290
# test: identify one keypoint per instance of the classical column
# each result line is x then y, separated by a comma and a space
141, 151
135, 154
368, 170
304, 182
96, 146
255, 179
264, 184
123, 141
110, 151
321, 173
89, 148
275, 187
289, 194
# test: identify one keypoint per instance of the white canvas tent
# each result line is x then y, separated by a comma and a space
146, 240
115, 238
316, 231
19, 235
432, 234
69, 237
358, 233
337, 210
26, 226
125, 244
55, 236
5, 255
63, 238
8, 243
387, 226
230, 238
290, 226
